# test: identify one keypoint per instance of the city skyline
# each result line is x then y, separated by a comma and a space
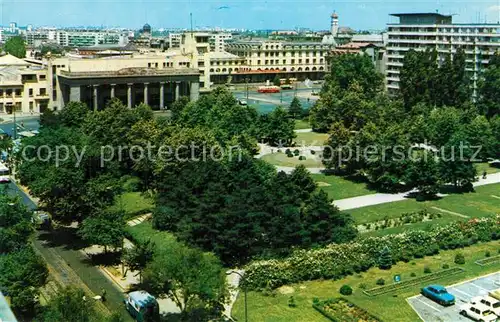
271, 14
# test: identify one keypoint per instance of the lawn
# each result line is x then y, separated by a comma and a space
281, 159
475, 204
481, 167
302, 124
390, 307
132, 204
340, 188
311, 139
144, 231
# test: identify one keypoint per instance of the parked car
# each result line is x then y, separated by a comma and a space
142, 306
4, 173
42, 220
478, 312
488, 301
438, 294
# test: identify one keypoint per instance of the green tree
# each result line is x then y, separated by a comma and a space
16, 47
324, 223
276, 80
295, 109
137, 257
423, 174
71, 304
489, 88
385, 258
480, 135
22, 272
15, 224
73, 114
277, 127
191, 279
455, 166
106, 229
336, 148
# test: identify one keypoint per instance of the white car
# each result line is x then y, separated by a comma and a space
478, 312
4, 179
488, 301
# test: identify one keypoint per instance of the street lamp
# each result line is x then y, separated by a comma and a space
244, 290
247, 88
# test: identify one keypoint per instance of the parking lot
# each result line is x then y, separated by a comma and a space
428, 310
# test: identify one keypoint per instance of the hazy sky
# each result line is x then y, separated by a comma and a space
252, 14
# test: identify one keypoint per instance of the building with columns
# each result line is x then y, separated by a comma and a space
156, 80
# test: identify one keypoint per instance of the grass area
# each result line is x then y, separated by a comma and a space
481, 167
311, 138
281, 159
475, 204
132, 204
388, 307
301, 124
144, 231
340, 188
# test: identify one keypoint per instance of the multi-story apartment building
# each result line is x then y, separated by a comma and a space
218, 41
421, 31
174, 40
23, 86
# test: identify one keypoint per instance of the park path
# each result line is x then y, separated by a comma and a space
380, 198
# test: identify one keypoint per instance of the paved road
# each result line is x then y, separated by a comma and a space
69, 265
26, 123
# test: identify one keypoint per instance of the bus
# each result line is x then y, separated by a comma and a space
142, 306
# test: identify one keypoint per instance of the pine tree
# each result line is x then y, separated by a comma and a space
385, 258
295, 109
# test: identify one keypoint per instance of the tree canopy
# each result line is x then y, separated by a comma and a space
16, 47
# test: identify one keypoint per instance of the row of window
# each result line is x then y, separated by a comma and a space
292, 61
292, 69
19, 92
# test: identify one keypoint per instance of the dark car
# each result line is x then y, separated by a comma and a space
438, 294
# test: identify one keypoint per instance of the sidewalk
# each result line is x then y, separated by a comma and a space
380, 198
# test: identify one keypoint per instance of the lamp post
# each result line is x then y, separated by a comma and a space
244, 290
247, 88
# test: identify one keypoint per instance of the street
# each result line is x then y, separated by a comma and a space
68, 265
26, 123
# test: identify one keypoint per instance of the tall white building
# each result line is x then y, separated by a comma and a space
218, 41
420, 31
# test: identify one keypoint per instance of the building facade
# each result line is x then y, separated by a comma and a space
421, 31
23, 86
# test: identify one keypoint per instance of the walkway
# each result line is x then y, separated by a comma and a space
380, 198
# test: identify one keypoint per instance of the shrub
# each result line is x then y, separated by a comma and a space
380, 281
446, 266
313, 152
427, 270
413, 274
363, 286
289, 155
132, 184
487, 254
459, 259
296, 152
315, 301
302, 158
291, 302
346, 290
287, 151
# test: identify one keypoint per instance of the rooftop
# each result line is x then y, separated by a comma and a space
130, 72
430, 14
9, 60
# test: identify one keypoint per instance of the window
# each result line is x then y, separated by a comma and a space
43, 91
1, 108
43, 77
31, 106
30, 92
8, 92
1, 92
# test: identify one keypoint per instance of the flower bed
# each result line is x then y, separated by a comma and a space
338, 260
412, 282
488, 261
341, 310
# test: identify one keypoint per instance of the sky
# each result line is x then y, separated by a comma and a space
246, 14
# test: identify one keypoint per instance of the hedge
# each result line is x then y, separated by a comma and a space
335, 261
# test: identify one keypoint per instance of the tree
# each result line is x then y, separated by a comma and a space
22, 272
106, 229
73, 114
385, 258
455, 166
324, 223
301, 179
423, 174
336, 148
276, 80
277, 127
16, 47
137, 257
489, 88
418, 77
480, 134
190, 278
15, 224
71, 304
295, 109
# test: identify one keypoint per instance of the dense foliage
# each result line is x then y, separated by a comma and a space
338, 260
16, 47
